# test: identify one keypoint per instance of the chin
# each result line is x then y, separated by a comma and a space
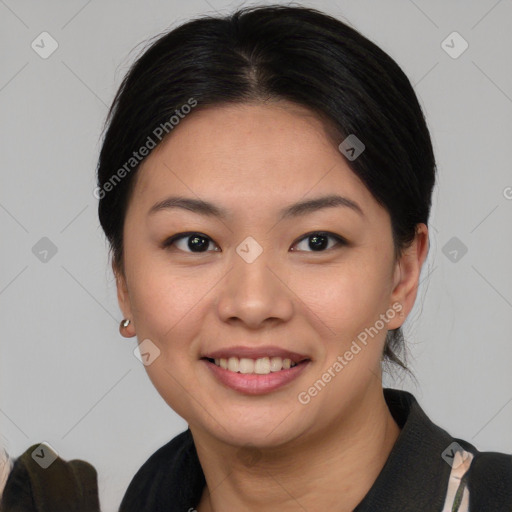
256, 434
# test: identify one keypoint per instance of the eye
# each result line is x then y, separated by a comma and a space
196, 242
318, 240
199, 243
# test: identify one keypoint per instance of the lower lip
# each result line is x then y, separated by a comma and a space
255, 384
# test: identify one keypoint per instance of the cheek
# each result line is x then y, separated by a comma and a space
156, 306
162, 295
347, 296
167, 311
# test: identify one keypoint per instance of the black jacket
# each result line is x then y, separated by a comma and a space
416, 477
420, 475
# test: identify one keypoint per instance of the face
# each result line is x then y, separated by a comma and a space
310, 282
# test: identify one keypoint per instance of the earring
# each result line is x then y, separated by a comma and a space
122, 328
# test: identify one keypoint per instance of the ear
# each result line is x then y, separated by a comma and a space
406, 275
123, 299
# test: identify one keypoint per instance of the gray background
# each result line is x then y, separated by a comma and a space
69, 378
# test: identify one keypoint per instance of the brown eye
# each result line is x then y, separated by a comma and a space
318, 241
192, 242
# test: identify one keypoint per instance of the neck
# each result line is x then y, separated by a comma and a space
332, 468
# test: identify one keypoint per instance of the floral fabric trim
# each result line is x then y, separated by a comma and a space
457, 494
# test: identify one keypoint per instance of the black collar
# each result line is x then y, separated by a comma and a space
415, 477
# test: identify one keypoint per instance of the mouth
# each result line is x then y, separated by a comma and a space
255, 376
255, 371
259, 366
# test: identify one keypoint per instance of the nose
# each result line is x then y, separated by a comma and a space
255, 292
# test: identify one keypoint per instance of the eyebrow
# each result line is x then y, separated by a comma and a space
299, 209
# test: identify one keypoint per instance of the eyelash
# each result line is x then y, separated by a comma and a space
340, 242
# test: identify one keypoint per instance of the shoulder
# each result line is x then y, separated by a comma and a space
171, 476
489, 481
479, 480
452, 468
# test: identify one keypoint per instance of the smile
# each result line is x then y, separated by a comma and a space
260, 366
241, 374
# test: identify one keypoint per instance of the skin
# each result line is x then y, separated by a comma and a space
254, 159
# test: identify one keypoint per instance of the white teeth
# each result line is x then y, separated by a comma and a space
261, 366
276, 364
233, 364
246, 365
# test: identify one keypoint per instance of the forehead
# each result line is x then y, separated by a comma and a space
260, 154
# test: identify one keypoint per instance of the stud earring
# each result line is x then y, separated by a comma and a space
122, 328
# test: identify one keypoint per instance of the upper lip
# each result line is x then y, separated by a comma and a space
256, 353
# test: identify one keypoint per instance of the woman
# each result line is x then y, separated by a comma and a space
265, 184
